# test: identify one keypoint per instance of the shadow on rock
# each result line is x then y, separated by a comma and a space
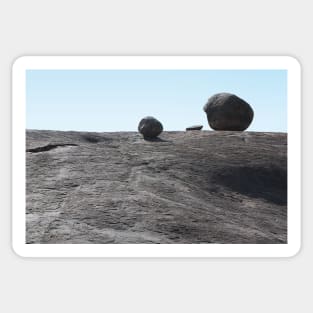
157, 139
94, 138
267, 183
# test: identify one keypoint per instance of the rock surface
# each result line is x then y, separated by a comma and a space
150, 127
194, 127
226, 111
188, 187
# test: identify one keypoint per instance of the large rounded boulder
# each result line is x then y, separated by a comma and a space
150, 127
226, 111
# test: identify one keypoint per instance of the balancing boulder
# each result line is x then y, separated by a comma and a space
150, 127
226, 111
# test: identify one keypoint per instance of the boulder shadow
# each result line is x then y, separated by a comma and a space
157, 139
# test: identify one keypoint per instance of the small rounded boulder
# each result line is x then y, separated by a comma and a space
226, 111
150, 127
194, 127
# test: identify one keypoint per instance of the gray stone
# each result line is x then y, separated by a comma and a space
194, 127
182, 190
226, 111
150, 127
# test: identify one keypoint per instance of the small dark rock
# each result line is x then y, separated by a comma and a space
194, 127
226, 111
150, 127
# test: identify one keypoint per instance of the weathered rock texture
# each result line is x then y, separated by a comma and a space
150, 127
187, 187
226, 111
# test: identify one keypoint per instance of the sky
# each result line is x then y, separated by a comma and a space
116, 100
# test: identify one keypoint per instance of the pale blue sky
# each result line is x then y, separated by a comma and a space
116, 100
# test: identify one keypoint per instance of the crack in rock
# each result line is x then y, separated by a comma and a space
50, 147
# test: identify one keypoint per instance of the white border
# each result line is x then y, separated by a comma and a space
156, 62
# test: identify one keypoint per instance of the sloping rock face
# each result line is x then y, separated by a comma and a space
187, 187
